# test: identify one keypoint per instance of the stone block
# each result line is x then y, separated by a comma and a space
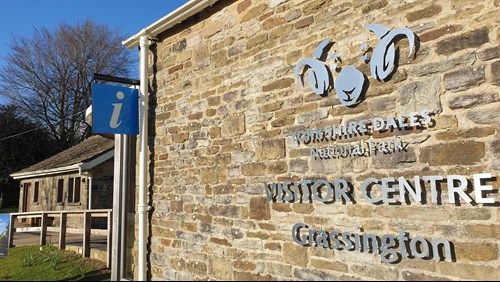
225, 211
374, 5
328, 264
483, 231
211, 28
201, 56
272, 246
379, 273
440, 32
495, 148
471, 39
304, 274
254, 12
310, 117
273, 149
284, 121
443, 122
393, 160
277, 167
179, 46
495, 73
455, 134
420, 95
316, 5
412, 275
443, 65
455, 153
243, 5
251, 276
271, 107
476, 251
298, 165
489, 54
282, 207
253, 169
473, 214
383, 104
295, 254
213, 175
220, 269
272, 23
464, 79
303, 208
468, 101
304, 22
469, 271
176, 206
427, 12
260, 208
278, 84
485, 116
233, 125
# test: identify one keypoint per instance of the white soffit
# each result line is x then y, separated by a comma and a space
185, 11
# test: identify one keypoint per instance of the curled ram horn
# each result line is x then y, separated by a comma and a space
319, 77
382, 59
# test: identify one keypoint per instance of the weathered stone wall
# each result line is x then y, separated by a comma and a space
47, 194
47, 197
102, 183
224, 104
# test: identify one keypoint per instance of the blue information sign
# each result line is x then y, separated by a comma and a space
4, 234
115, 109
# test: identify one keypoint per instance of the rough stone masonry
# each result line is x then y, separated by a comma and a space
225, 102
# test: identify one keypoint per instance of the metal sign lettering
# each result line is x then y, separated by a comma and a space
115, 109
350, 83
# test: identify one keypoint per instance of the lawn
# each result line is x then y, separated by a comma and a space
50, 264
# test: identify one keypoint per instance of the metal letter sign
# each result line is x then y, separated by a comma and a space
115, 109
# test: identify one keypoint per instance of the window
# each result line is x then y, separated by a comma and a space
74, 190
60, 187
35, 192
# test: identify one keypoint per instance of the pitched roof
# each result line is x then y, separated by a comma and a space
88, 150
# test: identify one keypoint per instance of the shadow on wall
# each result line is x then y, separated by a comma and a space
153, 103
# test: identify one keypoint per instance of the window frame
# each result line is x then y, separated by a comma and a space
36, 192
60, 191
74, 190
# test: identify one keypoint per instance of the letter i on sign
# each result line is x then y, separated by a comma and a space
116, 111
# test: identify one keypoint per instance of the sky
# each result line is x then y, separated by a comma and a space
19, 17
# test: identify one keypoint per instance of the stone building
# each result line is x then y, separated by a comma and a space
277, 154
77, 178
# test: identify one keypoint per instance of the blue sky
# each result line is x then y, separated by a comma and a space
19, 17
130, 16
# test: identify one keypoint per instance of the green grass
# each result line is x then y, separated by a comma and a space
50, 264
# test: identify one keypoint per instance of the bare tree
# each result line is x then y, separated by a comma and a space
22, 143
48, 75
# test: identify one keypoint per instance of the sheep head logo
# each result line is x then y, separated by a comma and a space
349, 84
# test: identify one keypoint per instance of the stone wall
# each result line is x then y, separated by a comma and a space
102, 185
225, 102
47, 197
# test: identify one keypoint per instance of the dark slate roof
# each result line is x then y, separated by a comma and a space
87, 150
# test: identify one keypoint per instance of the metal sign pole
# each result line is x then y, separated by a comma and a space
117, 208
